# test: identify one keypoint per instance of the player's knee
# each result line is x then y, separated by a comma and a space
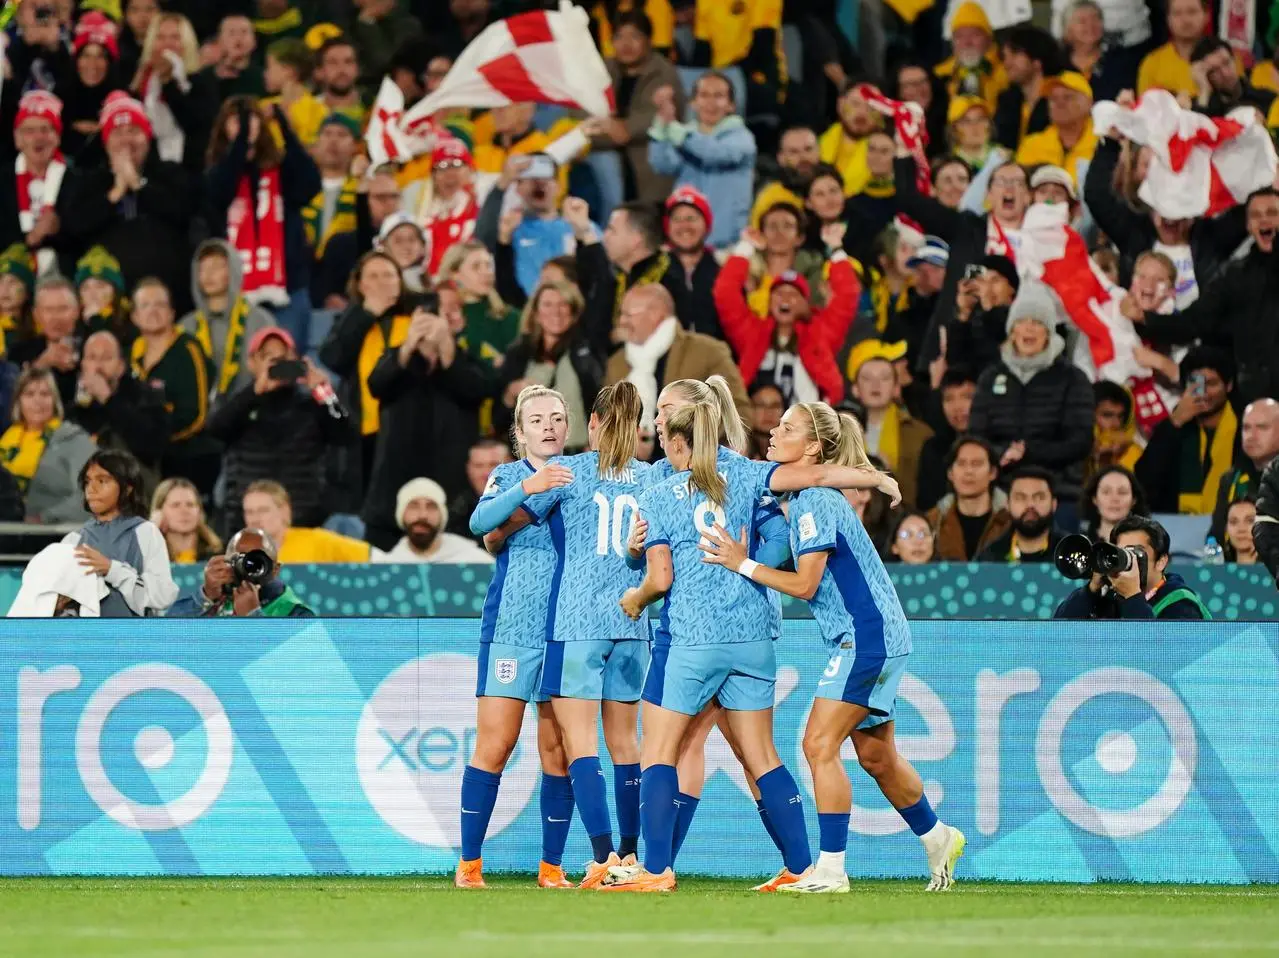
876, 759
820, 745
492, 751
554, 759
622, 743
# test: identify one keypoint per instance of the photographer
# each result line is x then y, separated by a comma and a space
1145, 590
244, 582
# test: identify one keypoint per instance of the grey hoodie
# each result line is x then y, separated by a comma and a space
256, 319
54, 492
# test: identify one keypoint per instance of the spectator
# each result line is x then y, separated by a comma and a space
969, 133
927, 266
96, 52
980, 324
716, 156
118, 410
632, 247
876, 204
768, 405
421, 511
482, 458
337, 73
1159, 594
223, 321
430, 390
38, 173
974, 513
17, 283
55, 348
267, 507
912, 541
331, 211
608, 17
37, 52
43, 452
174, 361
249, 171
553, 350
794, 347
638, 72
1030, 55
746, 36
799, 153
491, 325
1220, 85
137, 206
180, 99
138, 15
447, 204
957, 388
914, 84
104, 301
289, 65
176, 511
273, 599
118, 543
1069, 139
693, 266
778, 233
974, 69
280, 425
404, 240
1114, 429
1238, 310
658, 351
1032, 505
1168, 67
1260, 432
280, 20
844, 144
532, 233
1239, 547
1191, 451
1111, 495
950, 178
874, 510
508, 131
378, 198
891, 432
1033, 406
234, 72
1265, 531
1108, 67
378, 30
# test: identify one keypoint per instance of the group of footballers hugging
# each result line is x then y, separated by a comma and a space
586, 543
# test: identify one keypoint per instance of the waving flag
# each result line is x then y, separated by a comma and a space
386, 142
1202, 165
538, 57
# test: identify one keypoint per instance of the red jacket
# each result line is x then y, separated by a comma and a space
819, 338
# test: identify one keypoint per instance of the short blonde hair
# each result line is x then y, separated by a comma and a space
29, 377
270, 487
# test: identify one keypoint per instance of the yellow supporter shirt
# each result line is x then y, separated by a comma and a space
659, 13
1265, 76
994, 80
490, 156
320, 545
371, 350
305, 116
847, 155
1046, 147
1164, 69
729, 27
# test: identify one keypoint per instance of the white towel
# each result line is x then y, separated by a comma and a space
52, 572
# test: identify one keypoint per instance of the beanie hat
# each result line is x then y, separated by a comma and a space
869, 349
971, 14
99, 264
120, 110
688, 196
16, 261
40, 104
771, 197
346, 121
1004, 267
450, 149
395, 221
320, 34
95, 27
1034, 301
421, 488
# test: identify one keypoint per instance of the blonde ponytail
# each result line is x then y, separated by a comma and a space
716, 390
838, 435
699, 426
618, 408
528, 394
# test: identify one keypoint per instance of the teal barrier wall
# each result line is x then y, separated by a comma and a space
943, 591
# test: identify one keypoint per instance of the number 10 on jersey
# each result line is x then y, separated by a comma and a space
614, 524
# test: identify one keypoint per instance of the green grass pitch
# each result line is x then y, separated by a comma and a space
427, 917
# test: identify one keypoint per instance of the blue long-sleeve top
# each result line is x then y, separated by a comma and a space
489, 514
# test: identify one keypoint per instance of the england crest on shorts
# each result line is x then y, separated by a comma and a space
504, 670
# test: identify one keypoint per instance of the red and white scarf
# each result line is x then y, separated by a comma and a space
255, 227
34, 195
908, 123
448, 223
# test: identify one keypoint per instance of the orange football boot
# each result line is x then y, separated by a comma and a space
597, 871
783, 877
470, 874
551, 876
645, 882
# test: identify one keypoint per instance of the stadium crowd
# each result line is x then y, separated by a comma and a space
202, 268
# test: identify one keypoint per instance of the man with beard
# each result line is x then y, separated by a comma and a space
1221, 86
421, 511
1031, 504
337, 70
1030, 54
845, 144
798, 155
694, 267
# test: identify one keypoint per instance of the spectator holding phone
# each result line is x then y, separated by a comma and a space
979, 326
530, 232
282, 425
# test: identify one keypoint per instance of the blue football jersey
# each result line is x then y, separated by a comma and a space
856, 597
707, 604
517, 609
597, 514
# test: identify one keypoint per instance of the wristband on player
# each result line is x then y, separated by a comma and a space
747, 568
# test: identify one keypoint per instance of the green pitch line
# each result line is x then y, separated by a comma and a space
425, 918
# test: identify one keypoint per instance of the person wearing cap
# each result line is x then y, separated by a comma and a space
715, 155
980, 322
282, 426
421, 510
331, 211
104, 299
1221, 86
136, 205
694, 267
1069, 139
180, 99
974, 69
405, 241
1053, 185
533, 229
223, 321
794, 346
97, 53
1033, 405
17, 283
968, 130
447, 210
272, 599
29, 215
289, 65
892, 433
927, 273
1029, 55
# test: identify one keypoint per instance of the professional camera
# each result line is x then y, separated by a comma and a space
253, 566
1078, 557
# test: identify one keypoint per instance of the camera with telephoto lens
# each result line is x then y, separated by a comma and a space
254, 566
1078, 557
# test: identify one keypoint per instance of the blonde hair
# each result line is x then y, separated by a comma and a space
269, 487
527, 395
572, 296
30, 376
207, 541
1163, 259
838, 435
190, 47
699, 426
717, 391
452, 262
619, 410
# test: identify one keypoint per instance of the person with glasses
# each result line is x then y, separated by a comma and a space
913, 541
